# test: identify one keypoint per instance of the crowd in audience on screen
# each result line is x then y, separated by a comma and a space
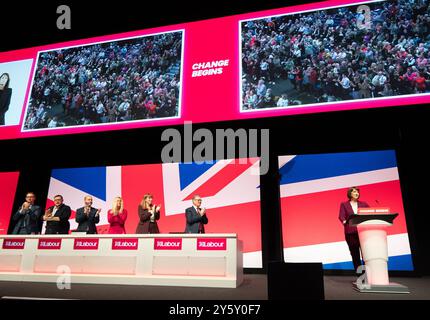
328, 56
107, 82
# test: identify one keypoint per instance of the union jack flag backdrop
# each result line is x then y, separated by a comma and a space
312, 188
229, 188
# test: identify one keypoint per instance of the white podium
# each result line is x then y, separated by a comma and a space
372, 232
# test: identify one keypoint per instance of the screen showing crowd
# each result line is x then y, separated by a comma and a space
337, 54
110, 82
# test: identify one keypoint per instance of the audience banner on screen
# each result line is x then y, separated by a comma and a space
317, 57
9, 182
312, 188
173, 186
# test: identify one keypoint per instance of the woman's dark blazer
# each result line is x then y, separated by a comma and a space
5, 96
346, 211
145, 225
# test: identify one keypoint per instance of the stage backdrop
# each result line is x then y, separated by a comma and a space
312, 188
276, 62
9, 182
230, 192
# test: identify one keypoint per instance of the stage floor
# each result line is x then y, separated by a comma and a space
340, 288
254, 287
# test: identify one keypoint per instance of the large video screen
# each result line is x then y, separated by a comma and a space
109, 82
8, 185
333, 55
313, 186
172, 186
320, 57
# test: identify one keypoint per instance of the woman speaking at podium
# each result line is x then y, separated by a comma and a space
347, 209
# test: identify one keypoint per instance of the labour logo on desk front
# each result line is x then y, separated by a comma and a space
50, 244
86, 244
167, 244
212, 244
13, 244
125, 244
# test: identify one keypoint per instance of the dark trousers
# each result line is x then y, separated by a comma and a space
51, 231
354, 248
23, 230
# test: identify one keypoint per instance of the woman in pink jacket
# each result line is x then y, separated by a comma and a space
117, 217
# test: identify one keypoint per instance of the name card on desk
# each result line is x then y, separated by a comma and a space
13, 244
212, 244
49, 244
86, 244
125, 244
374, 210
167, 244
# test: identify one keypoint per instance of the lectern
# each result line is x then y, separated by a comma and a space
372, 232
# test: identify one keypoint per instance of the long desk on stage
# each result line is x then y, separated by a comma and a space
196, 260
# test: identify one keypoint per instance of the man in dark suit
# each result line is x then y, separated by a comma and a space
57, 217
347, 209
87, 217
196, 217
27, 218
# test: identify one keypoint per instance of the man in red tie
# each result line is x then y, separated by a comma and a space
196, 217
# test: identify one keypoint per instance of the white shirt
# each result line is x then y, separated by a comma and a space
264, 66
379, 80
354, 205
54, 211
152, 217
124, 106
345, 83
282, 102
52, 124
100, 108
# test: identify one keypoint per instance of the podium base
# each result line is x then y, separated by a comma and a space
390, 288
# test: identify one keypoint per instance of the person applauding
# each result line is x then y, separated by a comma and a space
148, 215
117, 217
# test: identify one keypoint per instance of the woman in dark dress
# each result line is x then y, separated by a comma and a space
148, 215
5, 95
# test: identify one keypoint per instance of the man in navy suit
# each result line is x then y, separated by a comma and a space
347, 209
28, 217
87, 217
196, 217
